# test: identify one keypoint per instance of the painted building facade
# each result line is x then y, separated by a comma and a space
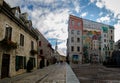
74, 42
18, 41
97, 40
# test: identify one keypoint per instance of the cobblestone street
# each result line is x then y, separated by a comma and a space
52, 74
94, 73
57, 75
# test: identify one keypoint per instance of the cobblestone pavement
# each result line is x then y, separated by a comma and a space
94, 73
52, 74
34, 76
57, 75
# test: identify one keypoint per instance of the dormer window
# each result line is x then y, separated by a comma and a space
17, 13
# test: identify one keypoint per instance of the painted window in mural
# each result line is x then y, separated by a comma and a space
78, 48
75, 58
72, 48
72, 39
78, 40
78, 23
72, 31
111, 37
105, 29
78, 32
72, 23
111, 31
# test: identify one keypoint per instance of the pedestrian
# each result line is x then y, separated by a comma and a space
29, 65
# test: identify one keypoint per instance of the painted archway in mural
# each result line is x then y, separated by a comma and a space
75, 59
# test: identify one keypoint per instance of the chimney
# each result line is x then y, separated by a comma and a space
25, 16
29, 24
1, 2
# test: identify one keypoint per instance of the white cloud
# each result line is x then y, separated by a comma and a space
101, 13
117, 31
63, 47
54, 22
100, 4
44, 1
112, 5
76, 5
14, 3
104, 19
118, 16
92, 1
84, 14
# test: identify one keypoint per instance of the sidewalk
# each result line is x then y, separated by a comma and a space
31, 77
70, 75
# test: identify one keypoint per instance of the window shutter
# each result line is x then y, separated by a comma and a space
24, 62
17, 63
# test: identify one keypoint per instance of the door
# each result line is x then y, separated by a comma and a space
5, 65
75, 58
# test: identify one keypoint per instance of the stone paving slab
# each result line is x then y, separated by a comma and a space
97, 74
57, 75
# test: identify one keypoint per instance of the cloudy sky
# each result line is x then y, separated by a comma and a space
51, 16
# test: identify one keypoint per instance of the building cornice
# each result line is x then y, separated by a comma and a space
5, 9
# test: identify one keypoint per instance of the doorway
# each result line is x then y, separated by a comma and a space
5, 65
75, 59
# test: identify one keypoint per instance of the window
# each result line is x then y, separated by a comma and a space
111, 37
17, 13
72, 31
72, 23
111, 31
41, 51
78, 23
78, 39
8, 33
72, 48
78, 32
72, 39
39, 43
21, 40
104, 35
104, 40
78, 48
20, 62
32, 45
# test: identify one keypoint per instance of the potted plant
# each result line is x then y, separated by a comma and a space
33, 52
8, 44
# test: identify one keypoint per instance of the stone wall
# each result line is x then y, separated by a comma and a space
21, 50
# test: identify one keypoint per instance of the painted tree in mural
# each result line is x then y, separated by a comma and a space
89, 38
85, 53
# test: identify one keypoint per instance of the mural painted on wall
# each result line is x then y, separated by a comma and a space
89, 36
88, 42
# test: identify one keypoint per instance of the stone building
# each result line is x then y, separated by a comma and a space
117, 45
18, 41
45, 51
62, 58
88, 40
